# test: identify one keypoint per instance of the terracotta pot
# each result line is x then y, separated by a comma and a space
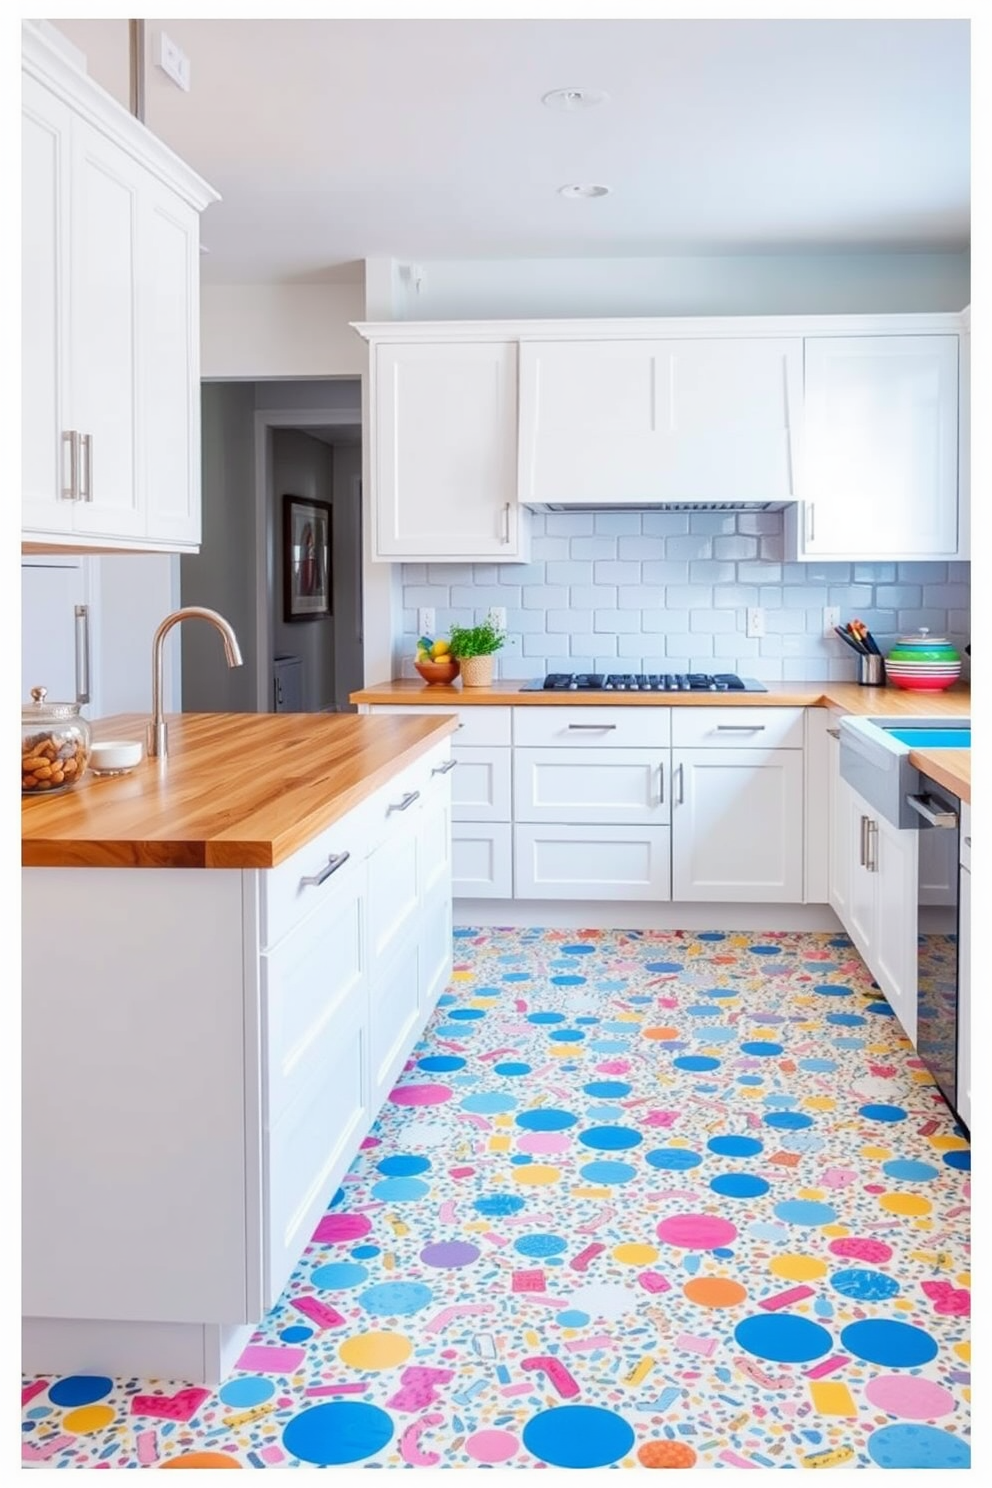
445, 669
477, 671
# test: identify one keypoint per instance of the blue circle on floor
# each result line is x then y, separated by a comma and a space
960, 1159
883, 1341
761, 1047
395, 1298
862, 1285
511, 1068
818, 1066
788, 1120
731, 1146
296, 1334
467, 1015
881, 1008
805, 1212
718, 1035
568, 979
908, 1445
608, 1172
343, 1431
696, 1063
516, 976
247, 1392
905, 1170
673, 1159
80, 1389
364, 1252
703, 1010
567, 1035
578, 1436
784, 1337
338, 1275
441, 1064
540, 1246
577, 950
605, 1115
827, 989
846, 1020
750, 1079
541, 1018
882, 1113
399, 1190
489, 1103
588, 1019
570, 1317
712, 935
739, 1185
765, 950
772, 1233
403, 1165
496, 1205
663, 966
611, 1138
546, 1118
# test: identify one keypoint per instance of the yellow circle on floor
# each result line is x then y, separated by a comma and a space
375, 1350
816, 1194
635, 1255
948, 1144
876, 1154
795, 1267
536, 1174
963, 1350
905, 1203
88, 1418
819, 1102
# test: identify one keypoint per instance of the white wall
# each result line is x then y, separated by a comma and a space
281, 330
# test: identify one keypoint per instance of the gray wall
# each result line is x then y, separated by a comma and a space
222, 575
349, 673
301, 466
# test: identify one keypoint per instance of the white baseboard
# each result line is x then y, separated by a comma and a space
596, 915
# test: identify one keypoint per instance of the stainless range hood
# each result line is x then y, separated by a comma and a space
669, 506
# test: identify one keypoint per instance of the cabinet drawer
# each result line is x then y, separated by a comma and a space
480, 786
568, 862
406, 792
307, 1154
434, 865
393, 890
738, 728
314, 978
395, 1014
583, 728
591, 785
285, 894
476, 725
482, 860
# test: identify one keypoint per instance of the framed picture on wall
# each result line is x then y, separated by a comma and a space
306, 559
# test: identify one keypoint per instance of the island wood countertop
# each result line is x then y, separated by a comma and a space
238, 790
844, 697
951, 768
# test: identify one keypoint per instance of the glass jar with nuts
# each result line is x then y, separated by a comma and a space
55, 745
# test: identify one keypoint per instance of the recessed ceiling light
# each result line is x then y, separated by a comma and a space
578, 190
570, 99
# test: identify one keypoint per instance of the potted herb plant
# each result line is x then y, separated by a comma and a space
474, 646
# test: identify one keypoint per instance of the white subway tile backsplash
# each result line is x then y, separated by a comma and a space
665, 591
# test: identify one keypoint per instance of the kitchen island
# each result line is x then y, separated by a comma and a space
228, 955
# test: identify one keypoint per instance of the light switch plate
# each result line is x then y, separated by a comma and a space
831, 617
426, 620
755, 621
497, 617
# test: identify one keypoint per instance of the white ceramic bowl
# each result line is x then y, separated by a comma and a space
111, 756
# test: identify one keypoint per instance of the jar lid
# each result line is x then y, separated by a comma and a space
40, 709
922, 637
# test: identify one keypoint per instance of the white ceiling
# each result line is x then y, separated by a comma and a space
333, 141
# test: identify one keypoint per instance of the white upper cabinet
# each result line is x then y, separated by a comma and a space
880, 470
444, 451
110, 321
620, 421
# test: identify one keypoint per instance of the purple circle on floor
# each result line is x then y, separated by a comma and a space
449, 1254
420, 1095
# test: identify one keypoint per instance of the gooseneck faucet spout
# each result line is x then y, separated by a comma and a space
158, 729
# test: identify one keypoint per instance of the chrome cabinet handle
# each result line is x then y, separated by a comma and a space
86, 447
406, 802
599, 728
443, 769
332, 865
967, 842
661, 785
864, 823
680, 772
70, 492
834, 733
923, 806
740, 728
871, 847
811, 521
506, 523
82, 653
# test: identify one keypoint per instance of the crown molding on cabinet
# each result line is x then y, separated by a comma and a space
661, 328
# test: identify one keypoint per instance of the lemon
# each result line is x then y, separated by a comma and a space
439, 648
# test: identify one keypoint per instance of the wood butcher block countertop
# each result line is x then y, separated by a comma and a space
238, 790
951, 768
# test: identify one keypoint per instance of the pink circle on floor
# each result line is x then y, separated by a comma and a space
492, 1446
420, 1095
333, 1228
697, 1231
862, 1248
543, 1141
911, 1397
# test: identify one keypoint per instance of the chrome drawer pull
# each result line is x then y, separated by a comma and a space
332, 866
680, 772
598, 728
871, 847
443, 769
834, 733
923, 806
661, 785
740, 728
70, 492
407, 801
86, 447
967, 842
864, 824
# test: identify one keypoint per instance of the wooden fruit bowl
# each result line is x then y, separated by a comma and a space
445, 669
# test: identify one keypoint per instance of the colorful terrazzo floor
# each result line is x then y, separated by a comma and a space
660, 1200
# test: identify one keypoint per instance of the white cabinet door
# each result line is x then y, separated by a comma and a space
881, 447
396, 1014
482, 860
892, 858
106, 188
45, 174
480, 785
169, 366
610, 786
434, 842
435, 950
839, 849
964, 999
394, 890
444, 474
860, 918
737, 825
702, 420
591, 862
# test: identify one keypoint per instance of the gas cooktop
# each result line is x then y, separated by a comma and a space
643, 682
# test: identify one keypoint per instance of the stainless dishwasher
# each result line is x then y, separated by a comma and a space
937, 816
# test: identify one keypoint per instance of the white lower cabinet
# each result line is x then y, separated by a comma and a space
737, 830
964, 996
604, 785
591, 862
482, 860
839, 838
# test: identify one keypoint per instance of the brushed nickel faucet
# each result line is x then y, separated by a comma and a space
158, 729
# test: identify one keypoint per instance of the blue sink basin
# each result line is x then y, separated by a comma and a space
874, 758
932, 738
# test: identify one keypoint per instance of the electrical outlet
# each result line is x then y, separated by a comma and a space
426, 620
173, 61
497, 617
755, 621
511, 646
831, 617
